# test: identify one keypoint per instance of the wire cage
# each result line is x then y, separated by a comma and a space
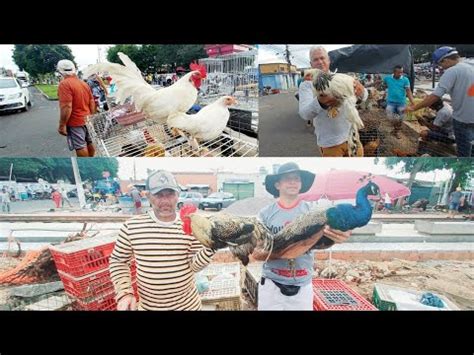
35, 297
123, 132
224, 286
233, 74
253, 274
390, 135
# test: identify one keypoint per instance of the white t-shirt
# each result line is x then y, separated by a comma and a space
4, 196
329, 131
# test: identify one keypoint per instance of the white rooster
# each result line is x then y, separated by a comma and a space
156, 104
341, 87
207, 124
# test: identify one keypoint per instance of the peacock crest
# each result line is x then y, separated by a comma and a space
367, 178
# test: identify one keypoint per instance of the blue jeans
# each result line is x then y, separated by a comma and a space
394, 108
464, 133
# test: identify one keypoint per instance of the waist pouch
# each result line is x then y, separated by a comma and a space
287, 290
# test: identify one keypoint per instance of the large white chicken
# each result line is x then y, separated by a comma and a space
207, 124
341, 87
156, 104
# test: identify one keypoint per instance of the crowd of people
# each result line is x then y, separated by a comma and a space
453, 124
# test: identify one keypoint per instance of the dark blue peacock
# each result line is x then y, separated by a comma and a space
243, 234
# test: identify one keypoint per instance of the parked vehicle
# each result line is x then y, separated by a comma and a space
189, 198
13, 95
217, 200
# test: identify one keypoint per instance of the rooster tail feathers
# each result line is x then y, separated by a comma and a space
321, 81
130, 64
353, 141
94, 69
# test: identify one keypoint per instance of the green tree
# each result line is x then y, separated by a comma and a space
53, 169
26, 168
423, 52
158, 57
40, 59
462, 169
92, 168
131, 50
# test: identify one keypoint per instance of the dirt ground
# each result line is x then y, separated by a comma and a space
451, 278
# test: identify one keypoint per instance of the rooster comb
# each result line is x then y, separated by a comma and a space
199, 67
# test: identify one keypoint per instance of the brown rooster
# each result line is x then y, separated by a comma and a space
401, 153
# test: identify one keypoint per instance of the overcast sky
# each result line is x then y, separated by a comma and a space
88, 54
252, 165
274, 53
84, 54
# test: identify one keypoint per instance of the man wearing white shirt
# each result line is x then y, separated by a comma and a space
331, 133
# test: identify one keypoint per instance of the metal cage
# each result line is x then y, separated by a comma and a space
233, 74
133, 134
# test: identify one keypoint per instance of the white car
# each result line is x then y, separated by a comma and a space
13, 95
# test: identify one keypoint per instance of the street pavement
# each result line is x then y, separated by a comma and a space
282, 133
33, 133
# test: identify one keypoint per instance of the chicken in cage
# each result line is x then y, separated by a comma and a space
379, 139
234, 74
133, 134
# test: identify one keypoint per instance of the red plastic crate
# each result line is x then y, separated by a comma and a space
335, 295
103, 303
93, 285
87, 287
82, 262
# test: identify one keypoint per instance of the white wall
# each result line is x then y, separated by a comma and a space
256, 178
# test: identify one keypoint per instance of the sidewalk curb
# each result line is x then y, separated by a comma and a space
45, 96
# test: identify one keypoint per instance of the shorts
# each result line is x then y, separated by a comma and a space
78, 137
388, 205
395, 111
453, 206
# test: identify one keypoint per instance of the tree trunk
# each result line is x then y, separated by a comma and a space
416, 169
456, 181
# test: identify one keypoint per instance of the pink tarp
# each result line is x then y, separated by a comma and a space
343, 185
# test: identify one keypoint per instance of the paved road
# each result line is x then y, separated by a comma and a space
33, 133
282, 133
36, 206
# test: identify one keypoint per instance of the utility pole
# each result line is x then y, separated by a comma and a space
134, 172
288, 60
77, 178
10, 178
434, 70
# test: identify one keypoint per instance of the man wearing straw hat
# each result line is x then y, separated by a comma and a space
286, 281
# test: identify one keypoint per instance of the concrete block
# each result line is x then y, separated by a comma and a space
446, 228
371, 228
28, 291
53, 303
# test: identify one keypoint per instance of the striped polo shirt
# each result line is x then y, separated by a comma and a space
166, 259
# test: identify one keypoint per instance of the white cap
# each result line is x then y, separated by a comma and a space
66, 67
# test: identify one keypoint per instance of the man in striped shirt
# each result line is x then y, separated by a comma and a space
166, 258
